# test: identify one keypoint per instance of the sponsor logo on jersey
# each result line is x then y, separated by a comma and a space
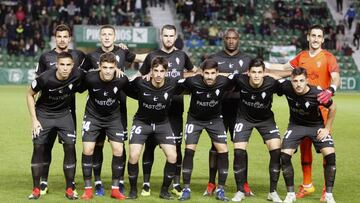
107, 102
158, 106
211, 103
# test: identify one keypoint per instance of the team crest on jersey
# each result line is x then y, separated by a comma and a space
70, 86
33, 84
307, 104
117, 58
177, 60
241, 62
263, 95
217, 92
318, 64
166, 95
115, 89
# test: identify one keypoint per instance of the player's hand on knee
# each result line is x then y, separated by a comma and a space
322, 133
36, 128
325, 96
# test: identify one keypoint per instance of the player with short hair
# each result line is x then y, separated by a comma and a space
102, 114
179, 63
306, 121
230, 60
254, 111
47, 61
206, 92
323, 70
151, 119
107, 39
51, 113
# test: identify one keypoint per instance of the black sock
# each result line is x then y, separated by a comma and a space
188, 166
223, 167
86, 163
124, 163
37, 164
212, 164
330, 171
148, 159
47, 161
288, 171
69, 164
117, 168
133, 171
97, 161
274, 168
240, 168
169, 172
178, 164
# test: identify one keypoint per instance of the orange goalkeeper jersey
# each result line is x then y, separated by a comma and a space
318, 67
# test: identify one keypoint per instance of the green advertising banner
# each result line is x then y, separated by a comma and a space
134, 37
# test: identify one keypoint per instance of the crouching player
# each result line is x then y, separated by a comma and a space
306, 121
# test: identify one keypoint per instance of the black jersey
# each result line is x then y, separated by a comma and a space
205, 101
238, 63
122, 56
47, 60
304, 109
104, 97
153, 102
56, 95
255, 103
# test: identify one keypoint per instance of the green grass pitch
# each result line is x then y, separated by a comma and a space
16, 150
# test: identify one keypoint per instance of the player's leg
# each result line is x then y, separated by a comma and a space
138, 136
98, 158
47, 161
147, 162
176, 122
306, 164
116, 166
123, 111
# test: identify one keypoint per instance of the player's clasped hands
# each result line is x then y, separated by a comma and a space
36, 128
322, 133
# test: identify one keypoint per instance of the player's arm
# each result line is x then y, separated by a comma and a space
140, 57
325, 96
323, 132
277, 70
36, 126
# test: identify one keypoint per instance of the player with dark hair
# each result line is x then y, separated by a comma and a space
254, 111
178, 63
102, 113
107, 39
306, 121
47, 61
323, 71
206, 92
51, 113
230, 60
151, 119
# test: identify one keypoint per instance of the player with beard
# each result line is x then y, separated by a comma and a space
151, 120
179, 62
50, 114
206, 92
107, 40
323, 71
306, 120
230, 60
47, 61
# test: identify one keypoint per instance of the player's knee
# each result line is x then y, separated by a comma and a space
285, 158
221, 148
117, 151
134, 157
171, 157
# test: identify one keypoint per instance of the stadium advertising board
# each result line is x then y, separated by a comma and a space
134, 37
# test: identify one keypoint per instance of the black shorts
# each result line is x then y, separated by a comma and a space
295, 133
243, 128
94, 128
141, 131
228, 111
214, 127
62, 126
176, 122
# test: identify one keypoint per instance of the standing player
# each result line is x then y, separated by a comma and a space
102, 113
323, 71
107, 40
48, 61
230, 60
178, 63
206, 92
254, 111
151, 119
51, 113
306, 121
